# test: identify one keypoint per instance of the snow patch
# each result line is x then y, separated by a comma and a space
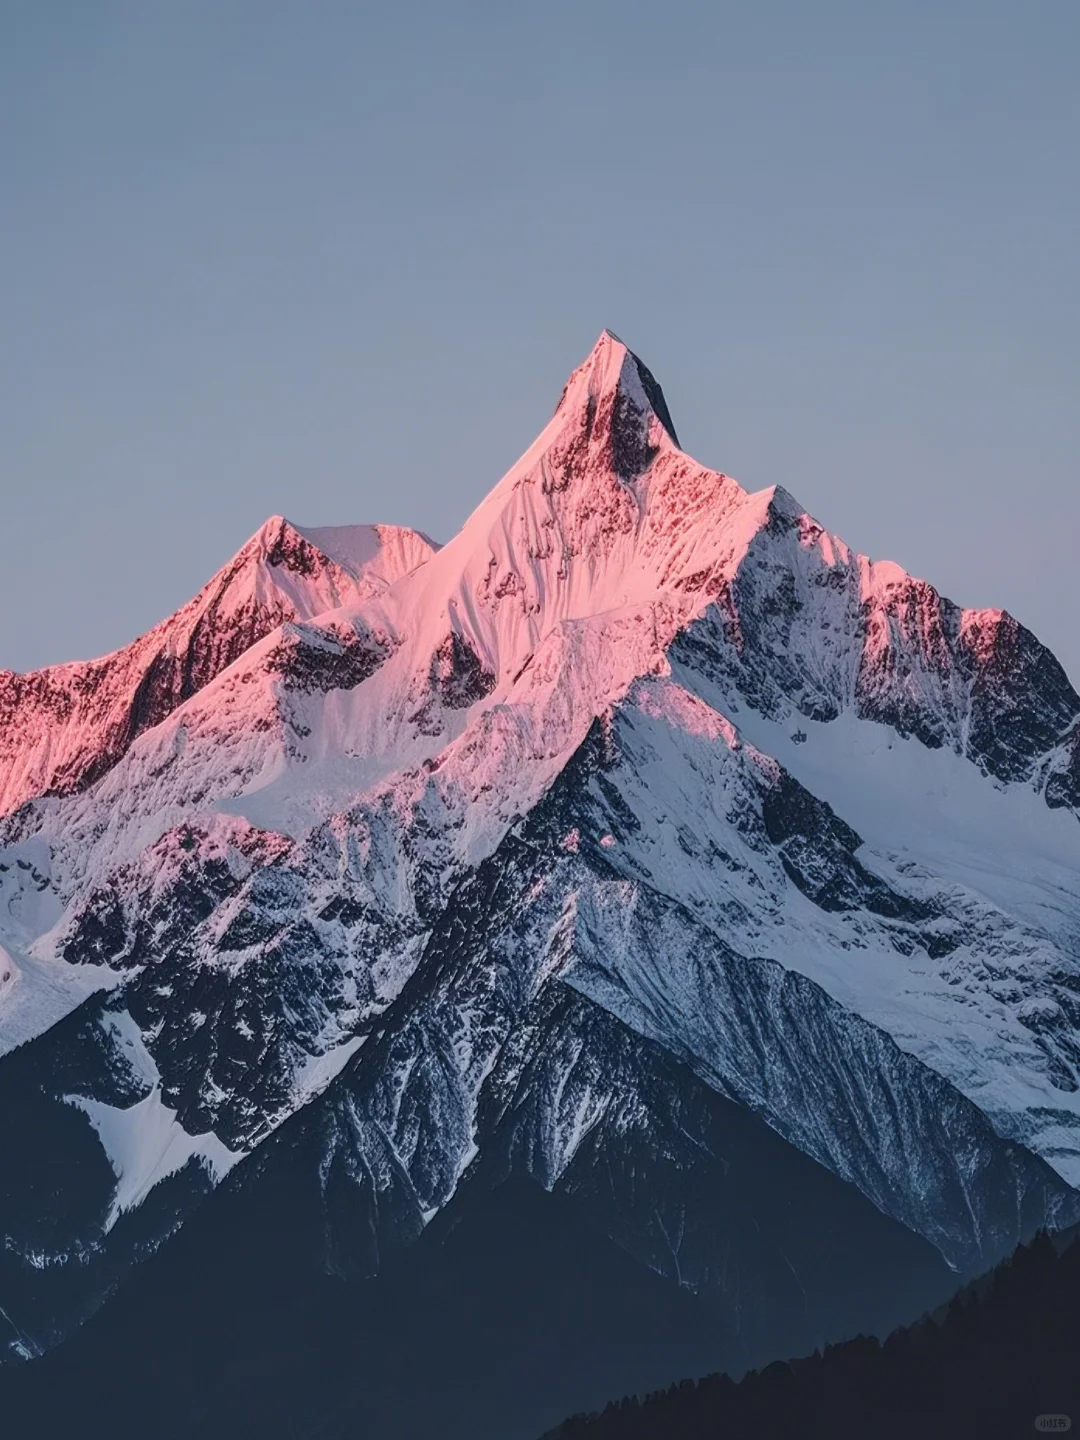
146, 1143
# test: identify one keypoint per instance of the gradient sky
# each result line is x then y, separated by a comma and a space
335, 260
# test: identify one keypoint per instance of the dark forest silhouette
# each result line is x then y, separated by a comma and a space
1002, 1354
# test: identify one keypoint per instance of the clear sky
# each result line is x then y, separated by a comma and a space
336, 260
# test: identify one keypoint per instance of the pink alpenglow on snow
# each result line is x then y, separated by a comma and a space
812, 757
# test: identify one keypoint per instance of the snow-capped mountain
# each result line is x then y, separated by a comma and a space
62, 728
640, 822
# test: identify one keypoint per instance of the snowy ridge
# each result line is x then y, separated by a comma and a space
62, 728
972, 988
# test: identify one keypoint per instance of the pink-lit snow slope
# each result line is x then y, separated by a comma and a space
63, 727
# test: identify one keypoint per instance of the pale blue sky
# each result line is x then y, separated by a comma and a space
336, 261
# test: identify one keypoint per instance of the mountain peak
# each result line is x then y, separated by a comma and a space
62, 728
368, 554
612, 372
